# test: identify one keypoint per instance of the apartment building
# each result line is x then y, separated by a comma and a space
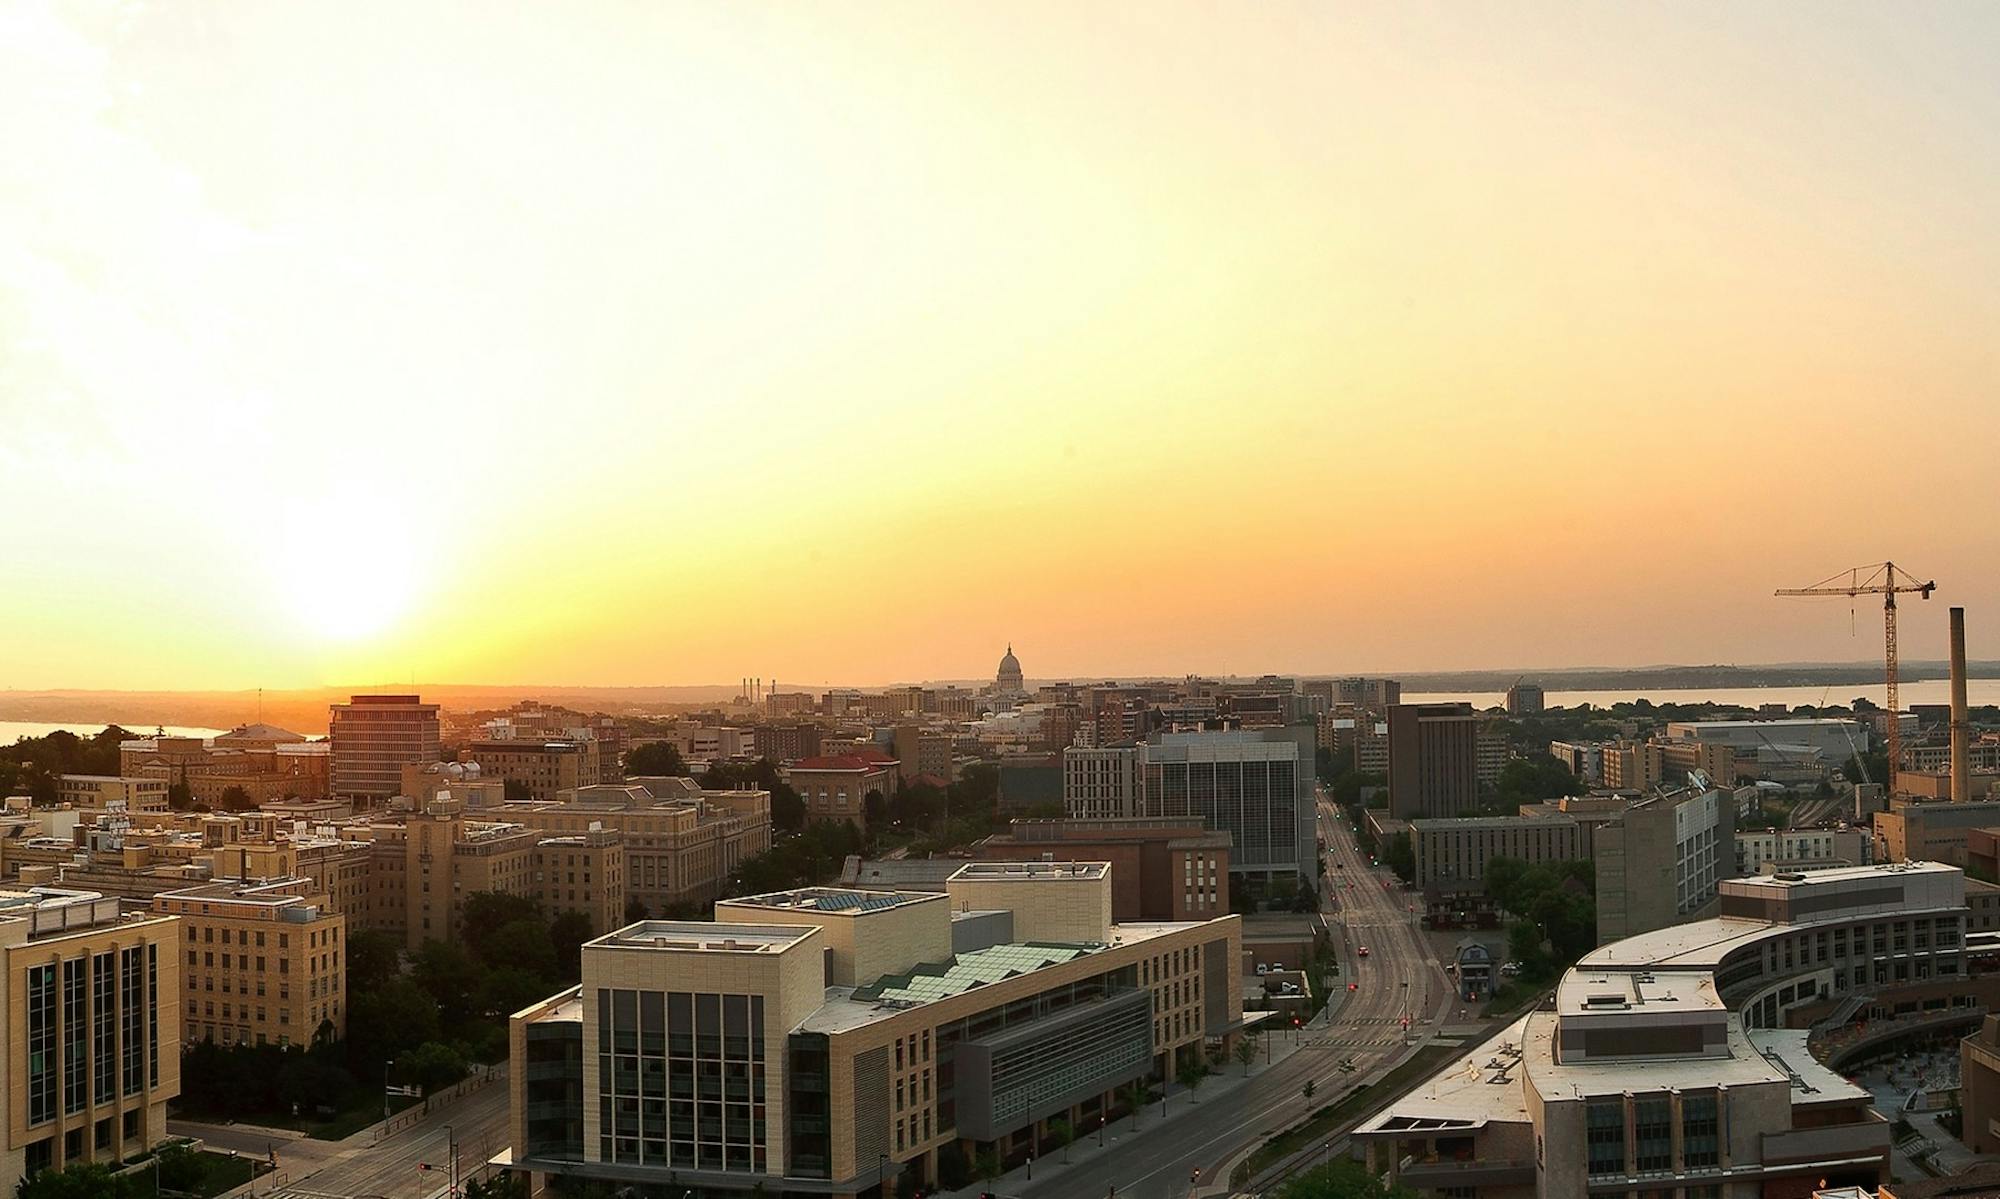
1665, 1062
783, 743
1104, 782
1433, 760
924, 753
1633, 765
373, 738
262, 961
101, 792
747, 1073
1454, 853
538, 768
93, 1029
1162, 868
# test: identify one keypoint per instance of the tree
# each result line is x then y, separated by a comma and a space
451, 977
180, 797
1191, 1076
568, 931
504, 1185
1536, 777
373, 958
432, 1066
236, 799
486, 912
387, 1019
635, 909
1307, 1090
986, 1166
180, 1169
875, 812
1399, 857
87, 1180
1524, 946
653, 759
1341, 1179
1135, 1094
1246, 1051
1060, 1134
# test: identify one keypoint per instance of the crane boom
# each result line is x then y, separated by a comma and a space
1888, 582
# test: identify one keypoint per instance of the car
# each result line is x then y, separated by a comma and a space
1510, 968
1363, 951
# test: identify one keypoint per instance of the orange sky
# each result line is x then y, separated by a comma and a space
675, 343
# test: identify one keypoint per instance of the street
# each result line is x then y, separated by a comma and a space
360, 1168
1362, 1029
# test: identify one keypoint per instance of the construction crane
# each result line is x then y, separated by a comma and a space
1888, 582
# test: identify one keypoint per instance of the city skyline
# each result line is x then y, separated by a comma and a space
625, 347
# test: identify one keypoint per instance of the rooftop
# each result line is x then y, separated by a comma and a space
835, 899
962, 972
982, 872
702, 936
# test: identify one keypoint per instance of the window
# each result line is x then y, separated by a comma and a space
1652, 1128
1604, 1134
1699, 1146
41, 1044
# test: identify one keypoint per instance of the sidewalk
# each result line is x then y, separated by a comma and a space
1221, 1087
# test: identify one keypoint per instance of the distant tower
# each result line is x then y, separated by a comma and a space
1008, 678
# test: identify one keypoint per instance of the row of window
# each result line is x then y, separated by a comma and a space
122, 1022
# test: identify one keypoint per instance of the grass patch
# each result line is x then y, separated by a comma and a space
220, 1172
1357, 1101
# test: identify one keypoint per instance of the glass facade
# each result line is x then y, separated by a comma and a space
132, 979
76, 1030
103, 1027
681, 1079
1653, 1134
1700, 1148
41, 1044
1604, 1132
1256, 801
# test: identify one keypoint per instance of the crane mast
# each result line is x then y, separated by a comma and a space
1886, 581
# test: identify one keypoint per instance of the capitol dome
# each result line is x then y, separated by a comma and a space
1008, 677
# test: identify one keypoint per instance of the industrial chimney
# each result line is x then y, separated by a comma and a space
1961, 770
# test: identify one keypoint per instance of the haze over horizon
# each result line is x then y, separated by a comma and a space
629, 344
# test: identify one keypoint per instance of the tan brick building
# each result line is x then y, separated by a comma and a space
678, 850
542, 767
836, 787
263, 963
100, 792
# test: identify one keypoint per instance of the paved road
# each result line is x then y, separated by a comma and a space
360, 1169
1154, 1160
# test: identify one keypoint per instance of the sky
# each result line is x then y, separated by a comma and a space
675, 343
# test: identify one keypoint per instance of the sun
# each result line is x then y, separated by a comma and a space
351, 569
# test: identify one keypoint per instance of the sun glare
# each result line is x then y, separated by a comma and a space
350, 571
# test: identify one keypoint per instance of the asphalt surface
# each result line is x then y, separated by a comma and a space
361, 1168
1399, 975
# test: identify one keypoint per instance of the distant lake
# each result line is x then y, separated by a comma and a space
13, 730
1928, 691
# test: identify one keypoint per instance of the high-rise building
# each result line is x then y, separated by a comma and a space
264, 962
1660, 862
1255, 785
93, 1021
1433, 760
1525, 699
1104, 782
374, 737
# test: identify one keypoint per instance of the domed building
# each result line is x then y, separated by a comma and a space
1008, 678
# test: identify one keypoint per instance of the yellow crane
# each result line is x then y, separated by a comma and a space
1888, 582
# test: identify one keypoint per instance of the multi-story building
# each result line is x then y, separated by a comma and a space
1453, 853
539, 768
1490, 754
1665, 1062
680, 847
714, 1056
1836, 740
466, 782
374, 737
1100, 783
837, 787
1802, 848
264, 765
1931, 831
1255, 785
1433, 760
783, 743
1633, 765
923, 753
263, 961
1660, 862
103, 792
1525, 699
1162, 868
1715, 760
93, 1029
1376, 695
1585, 759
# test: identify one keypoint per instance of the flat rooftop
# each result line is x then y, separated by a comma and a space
1601, 992
702, 936
834, 899
982, 872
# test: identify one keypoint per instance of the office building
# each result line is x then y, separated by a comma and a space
1584, 759
93, 1029
102, 793
374, 737
1453, 853
1162, 868
1659, 863
784, 743
1633, 765
1802, 849
1376, 695
256, 760
924, 753
1433, 760
1525, 699
1665, 1062
1256, 786
263, 962
827, 1042
1836, 740
680, 845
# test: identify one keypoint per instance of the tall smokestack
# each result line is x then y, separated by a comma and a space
1961, 772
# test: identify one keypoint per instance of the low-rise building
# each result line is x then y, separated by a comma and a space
837, 787
954, 1033
1162, 868
1455, 852
537, 768
1802, 848
1930, 830
1667, 1056
102, 792
263, 961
